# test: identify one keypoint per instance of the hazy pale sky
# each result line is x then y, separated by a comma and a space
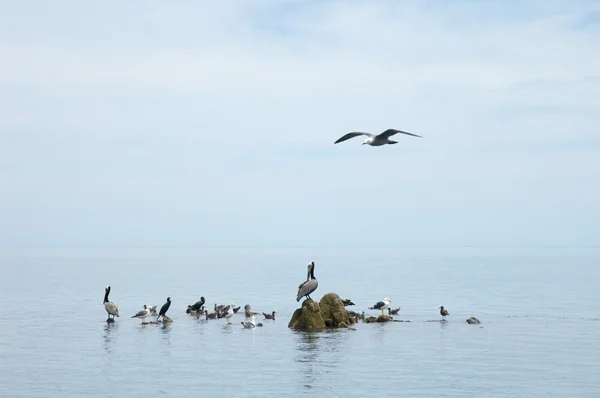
195, 123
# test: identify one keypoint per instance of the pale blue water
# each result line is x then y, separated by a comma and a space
540, 334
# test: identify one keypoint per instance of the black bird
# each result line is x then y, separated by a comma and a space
347, 302
393, 312
197, 305
164, 308
270, 316
443, 312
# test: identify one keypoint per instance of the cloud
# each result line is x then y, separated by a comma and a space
218, 120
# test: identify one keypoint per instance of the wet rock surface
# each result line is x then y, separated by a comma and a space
317, 316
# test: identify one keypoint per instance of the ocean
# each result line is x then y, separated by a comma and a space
539, 336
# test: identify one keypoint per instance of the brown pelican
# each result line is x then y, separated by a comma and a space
111, 308
164, 309
311, 284
270, 316
376, 140
443, 312
381, 305
393, 312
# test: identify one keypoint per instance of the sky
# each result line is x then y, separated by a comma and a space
192, 124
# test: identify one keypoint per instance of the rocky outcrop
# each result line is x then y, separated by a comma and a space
308, 318
328, 313
380, 319
333, 311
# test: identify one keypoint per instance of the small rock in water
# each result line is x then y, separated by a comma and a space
384, 318
472, 321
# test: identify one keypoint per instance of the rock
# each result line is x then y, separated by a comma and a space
313, 316
370, 319
384, 318
333, 311
308, 318
472, 321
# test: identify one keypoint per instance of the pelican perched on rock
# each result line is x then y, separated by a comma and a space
381, 305
164, 309
143, 314
270, 316
376, 140
311, 284
111, 308
443, 312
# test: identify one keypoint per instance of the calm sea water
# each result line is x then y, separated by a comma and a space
540, 334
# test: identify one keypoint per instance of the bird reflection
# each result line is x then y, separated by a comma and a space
307, 355
110, 335
443, 324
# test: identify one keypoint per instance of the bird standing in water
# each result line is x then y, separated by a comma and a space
443, 312
111, 308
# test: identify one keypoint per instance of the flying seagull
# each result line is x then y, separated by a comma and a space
376, 140
381, 305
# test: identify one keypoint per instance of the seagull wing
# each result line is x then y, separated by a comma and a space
377, 306
352, 135
141, 313
390, 132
